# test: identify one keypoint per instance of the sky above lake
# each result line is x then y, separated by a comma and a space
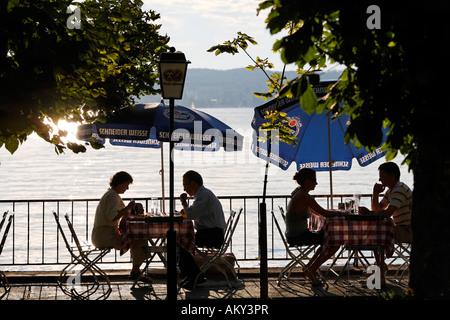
195, 26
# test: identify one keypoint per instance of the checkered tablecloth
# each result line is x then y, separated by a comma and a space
140, 229
339, 231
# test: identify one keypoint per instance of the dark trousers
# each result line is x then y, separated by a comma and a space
203, 238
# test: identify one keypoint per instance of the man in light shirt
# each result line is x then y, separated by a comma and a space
396, 203
209, 221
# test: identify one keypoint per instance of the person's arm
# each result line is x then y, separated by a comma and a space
376, 204
125, 211
387, 213
312, 203
183, 199
198, 208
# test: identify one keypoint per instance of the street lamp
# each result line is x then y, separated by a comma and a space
172, 74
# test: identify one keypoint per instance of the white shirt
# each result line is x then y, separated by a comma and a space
206, 210
107, 209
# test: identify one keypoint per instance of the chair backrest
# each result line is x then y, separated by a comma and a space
280, 231
63, 234
282, 213
73, 233
231, 226
7, 216
61, 231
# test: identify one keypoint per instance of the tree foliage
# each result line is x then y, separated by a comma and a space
277, 129
389, 79
52, 68
242, 42
374, 60
275, 82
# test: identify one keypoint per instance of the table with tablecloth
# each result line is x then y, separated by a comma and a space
359, 231
149, 228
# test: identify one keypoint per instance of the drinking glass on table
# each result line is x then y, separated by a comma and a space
357, 197
154, 206
348, 205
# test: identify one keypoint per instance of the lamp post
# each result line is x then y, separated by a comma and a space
172, 73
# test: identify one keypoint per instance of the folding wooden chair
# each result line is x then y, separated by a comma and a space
214, 256
297, 253
7, 217
85, 257
403, 252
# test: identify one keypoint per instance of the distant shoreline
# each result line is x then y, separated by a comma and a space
234, 88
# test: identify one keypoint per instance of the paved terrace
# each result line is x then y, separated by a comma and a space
43, 286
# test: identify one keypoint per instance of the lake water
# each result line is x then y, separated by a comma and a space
35, 171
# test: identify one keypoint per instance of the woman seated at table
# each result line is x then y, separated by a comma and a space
298, 211
110, 210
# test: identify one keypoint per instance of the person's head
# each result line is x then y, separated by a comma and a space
389, 173
306, 178
120, 181
192, 180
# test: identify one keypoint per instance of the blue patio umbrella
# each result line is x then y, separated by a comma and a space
320, 142
320, 139
147, 125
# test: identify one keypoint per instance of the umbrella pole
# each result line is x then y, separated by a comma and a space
263, 272
162, 180
330, 163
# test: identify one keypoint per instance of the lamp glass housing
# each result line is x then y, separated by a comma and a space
172, 71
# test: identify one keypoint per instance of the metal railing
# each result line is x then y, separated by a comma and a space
34, 239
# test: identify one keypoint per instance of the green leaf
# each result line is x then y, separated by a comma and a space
308, 100
12, 144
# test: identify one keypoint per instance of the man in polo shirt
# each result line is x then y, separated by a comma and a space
209, 222
396, 203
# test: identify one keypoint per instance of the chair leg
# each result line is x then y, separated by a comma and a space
296, 260
346, 265
402, 251
4, 284
144, 270
69, 277
334, 262
209, 263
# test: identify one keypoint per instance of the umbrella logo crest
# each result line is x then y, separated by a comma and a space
180, 116
295, 123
